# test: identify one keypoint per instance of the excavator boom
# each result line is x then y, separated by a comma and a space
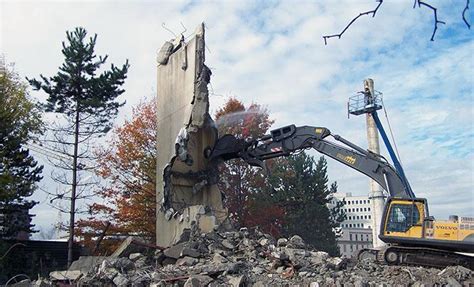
287, 140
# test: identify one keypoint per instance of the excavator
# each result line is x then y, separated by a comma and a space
413, 237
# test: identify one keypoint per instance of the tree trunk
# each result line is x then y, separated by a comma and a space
73, 192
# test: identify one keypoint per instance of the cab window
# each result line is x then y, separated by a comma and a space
402, 217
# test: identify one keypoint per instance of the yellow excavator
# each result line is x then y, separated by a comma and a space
413, 237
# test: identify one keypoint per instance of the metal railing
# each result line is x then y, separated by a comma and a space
362, 103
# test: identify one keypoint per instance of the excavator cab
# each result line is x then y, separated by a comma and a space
404, 218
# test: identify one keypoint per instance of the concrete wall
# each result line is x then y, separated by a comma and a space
183, 102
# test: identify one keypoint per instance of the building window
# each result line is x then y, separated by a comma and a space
368, 209
369, 216
362, 225
365, 209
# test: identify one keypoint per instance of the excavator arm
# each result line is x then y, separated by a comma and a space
287, 140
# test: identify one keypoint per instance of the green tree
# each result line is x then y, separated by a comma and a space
299, 185
87, 99
20, 121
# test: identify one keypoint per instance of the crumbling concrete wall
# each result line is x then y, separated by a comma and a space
186, 186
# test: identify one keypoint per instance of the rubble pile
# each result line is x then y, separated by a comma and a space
252, 258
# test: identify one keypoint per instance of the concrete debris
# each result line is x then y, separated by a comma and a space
65, 275
132, 245
135, 256
251, 258
181, 146
164, 53
85, 263
296, 241
174, 251
282, 242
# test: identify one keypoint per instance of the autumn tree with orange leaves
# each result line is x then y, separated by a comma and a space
240, 182
128, 165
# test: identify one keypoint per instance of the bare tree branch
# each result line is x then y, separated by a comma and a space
464, 14
352, 21
418, 3
435, 12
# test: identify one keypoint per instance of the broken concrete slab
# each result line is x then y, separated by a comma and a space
122, 263
86, 263
191, 252
219, 258
227, 244
66, 275
198, 281
40, 283
296, 241
135, 256
187, 261
164, 53
236, 281
131, 245
174, 251
453, 282
121, 280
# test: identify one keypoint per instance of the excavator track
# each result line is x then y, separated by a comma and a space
417, 256
401, 255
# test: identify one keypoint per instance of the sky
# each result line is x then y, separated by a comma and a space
272, 53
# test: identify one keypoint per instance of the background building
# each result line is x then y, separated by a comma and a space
353, 240
357, 228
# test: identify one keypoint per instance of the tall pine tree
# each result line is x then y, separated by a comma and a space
87, 99
20, 121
